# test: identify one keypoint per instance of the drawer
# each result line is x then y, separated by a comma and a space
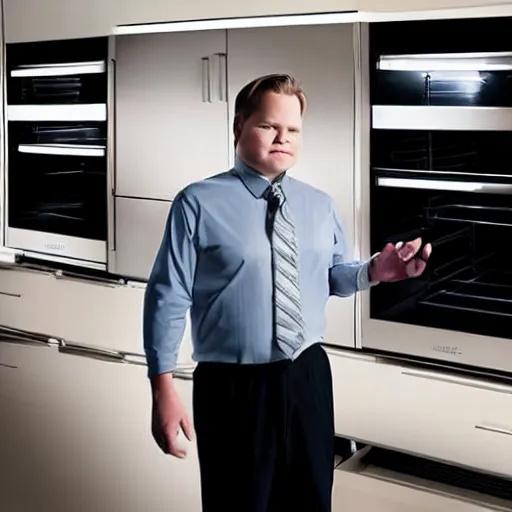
88, 313
22, 304
434, 414
364, 397
464, 420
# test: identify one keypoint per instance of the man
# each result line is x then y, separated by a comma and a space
255, 255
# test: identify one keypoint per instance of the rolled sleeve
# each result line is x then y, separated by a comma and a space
169, 290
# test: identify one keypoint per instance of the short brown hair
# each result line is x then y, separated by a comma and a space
249, 98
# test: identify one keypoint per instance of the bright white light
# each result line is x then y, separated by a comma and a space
62, 149
233, 23
71, 68
501, 61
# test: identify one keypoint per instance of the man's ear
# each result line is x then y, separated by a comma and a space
238, 125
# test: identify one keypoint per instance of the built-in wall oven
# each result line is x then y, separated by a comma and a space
441, 169
56, 175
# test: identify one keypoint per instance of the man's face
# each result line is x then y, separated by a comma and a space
270, 139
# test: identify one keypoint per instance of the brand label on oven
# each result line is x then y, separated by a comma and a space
55, 247
447, 349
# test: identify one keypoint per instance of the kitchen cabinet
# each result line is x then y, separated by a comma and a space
157, 155
139, 231
31, 20
78, 311
321, 57
171, 112
433, 414
27, 437
77, 433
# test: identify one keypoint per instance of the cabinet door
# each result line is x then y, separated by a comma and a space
140, 226
107, 455
321, 57
170, 113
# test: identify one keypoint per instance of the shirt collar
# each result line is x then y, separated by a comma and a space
255, 182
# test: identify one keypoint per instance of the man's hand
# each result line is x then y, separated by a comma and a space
400, 261
169, 415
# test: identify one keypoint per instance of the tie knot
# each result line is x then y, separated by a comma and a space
275, 194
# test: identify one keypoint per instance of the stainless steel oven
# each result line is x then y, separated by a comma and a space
57, 150
441, 168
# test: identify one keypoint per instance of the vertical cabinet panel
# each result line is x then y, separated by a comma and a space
321, 57
139, 232
170, 112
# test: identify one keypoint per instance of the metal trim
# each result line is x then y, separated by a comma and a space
58, 246
3, 131
362, 124
92, 112
398, 117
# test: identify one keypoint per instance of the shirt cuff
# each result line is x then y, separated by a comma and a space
363, 278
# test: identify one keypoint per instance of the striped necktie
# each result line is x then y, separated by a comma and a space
288, 321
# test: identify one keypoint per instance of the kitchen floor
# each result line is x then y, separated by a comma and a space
360, 488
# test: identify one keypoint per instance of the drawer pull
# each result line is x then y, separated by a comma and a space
495, 430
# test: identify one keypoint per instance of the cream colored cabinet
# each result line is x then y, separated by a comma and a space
27, 428
77, 434
31, 20
321, 57
79, 311
434, 414
139, 234
171, 112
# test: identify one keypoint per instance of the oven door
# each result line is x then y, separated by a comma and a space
455, 191
57, 189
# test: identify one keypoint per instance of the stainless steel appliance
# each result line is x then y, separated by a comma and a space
441, 168
57, 150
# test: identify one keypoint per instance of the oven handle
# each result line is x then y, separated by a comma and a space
451, 186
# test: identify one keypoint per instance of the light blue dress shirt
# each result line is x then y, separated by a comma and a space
215, 259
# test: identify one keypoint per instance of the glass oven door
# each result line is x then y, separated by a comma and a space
454, 190
57, 183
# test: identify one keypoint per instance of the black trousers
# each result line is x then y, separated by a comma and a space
265, 435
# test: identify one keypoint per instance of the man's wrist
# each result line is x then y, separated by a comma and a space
371, 269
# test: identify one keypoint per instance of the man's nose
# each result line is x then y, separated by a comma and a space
281, 136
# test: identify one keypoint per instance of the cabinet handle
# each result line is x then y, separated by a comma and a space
223, 82
19, 337
112, 164
495, 430
206, 80
107, 356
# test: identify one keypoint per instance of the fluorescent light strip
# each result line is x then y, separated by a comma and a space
62, 149
233, 23
452, 186
93, 112
497, 10
447, 62
71, 68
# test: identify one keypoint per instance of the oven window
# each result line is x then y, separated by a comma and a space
471, 88
468, 283
57, 90
458, 154
57, 72
57, 179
